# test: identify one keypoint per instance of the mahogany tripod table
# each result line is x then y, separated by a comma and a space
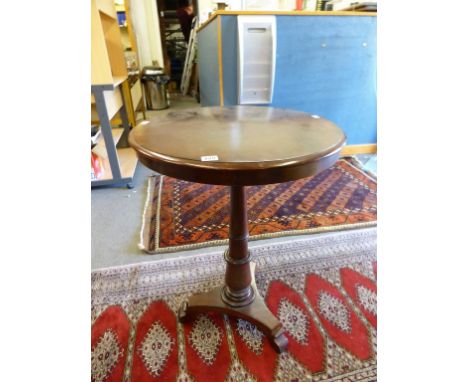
237, 147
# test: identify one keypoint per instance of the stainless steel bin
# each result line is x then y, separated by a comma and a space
155, 83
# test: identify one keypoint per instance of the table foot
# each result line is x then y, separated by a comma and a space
256, 312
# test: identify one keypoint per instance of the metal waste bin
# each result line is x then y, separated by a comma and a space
155, 83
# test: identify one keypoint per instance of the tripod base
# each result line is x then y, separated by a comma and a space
255, 312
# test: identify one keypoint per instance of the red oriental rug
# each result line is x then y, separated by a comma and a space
322, 288
181, 215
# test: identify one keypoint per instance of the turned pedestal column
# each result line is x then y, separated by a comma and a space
239, 296
238, 290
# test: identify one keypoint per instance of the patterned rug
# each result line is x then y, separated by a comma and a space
182, 215
322, 288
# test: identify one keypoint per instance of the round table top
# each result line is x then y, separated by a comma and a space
238, 145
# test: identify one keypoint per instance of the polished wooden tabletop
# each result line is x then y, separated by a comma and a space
239, 145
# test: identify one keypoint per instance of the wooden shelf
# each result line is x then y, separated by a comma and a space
100, 148
110, 96
107, 59
127, 161
116, 81
116, 134
119, 7
128, 41
113, 100
127, 157
136, 93
107, 7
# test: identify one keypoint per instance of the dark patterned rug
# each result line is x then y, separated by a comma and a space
181, 215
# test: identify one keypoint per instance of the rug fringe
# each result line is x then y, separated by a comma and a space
360, 166
187, 256
141, 244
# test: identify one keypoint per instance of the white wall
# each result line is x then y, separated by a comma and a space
207, 6
204, 8
147, 32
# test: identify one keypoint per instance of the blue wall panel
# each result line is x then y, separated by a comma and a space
326, 65
208, 65
229, 38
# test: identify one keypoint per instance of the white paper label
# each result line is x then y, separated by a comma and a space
208, 158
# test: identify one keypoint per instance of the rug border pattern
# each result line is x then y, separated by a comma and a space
159, 278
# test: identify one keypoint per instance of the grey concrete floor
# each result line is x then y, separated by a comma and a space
116, 214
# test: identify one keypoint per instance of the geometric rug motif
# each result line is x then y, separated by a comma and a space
181, 215
322, 289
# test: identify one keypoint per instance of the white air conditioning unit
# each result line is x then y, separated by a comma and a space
256, 59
